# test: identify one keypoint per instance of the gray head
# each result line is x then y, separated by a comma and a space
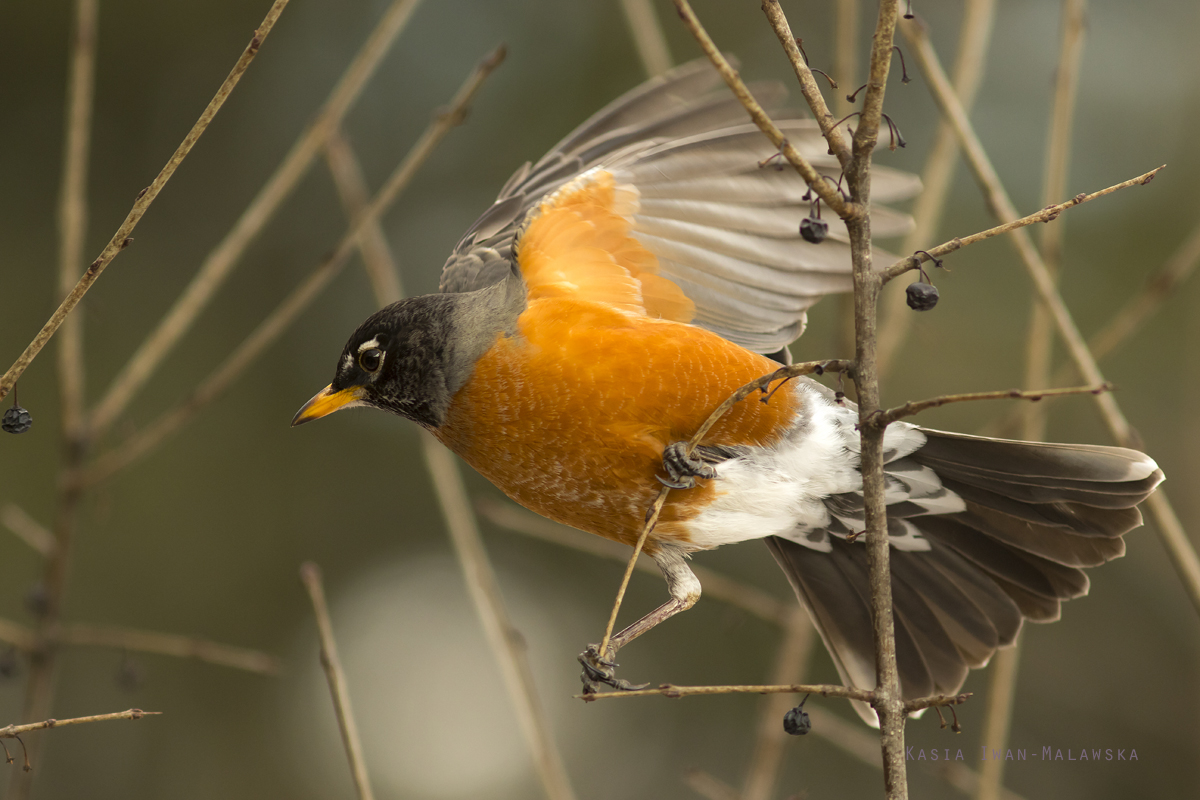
412, 356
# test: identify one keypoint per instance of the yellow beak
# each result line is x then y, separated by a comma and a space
325, 402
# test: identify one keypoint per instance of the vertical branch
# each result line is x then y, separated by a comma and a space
310, 576
974, 37
846, 26
1040, 344
1039, 351
763, 773
220, 262
648, 36
887, 700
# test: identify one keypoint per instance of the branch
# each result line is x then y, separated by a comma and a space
1047, 214
673, 691
28, 529
648, 36
121, 239
286, 312
13, 731
830, 195
884, 418
974, 39
808, 84
224, 257
310, 576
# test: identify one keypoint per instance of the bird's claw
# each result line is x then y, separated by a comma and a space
597, 671
683, 469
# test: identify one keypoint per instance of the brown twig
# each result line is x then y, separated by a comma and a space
767, 757
673, 691
13, 731
997, 718
974, 38
310, 576
28, 529
648, 37
372, 245
846, 25
273, 326
1047, 214
219, 263
828, 194
808, 85
1183, 554
760, 384
121, 239
709, 786
81, 634
716, 585
884, 418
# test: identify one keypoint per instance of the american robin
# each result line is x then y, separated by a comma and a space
625, 285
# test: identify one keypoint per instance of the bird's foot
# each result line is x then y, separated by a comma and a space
598, 670
682, 469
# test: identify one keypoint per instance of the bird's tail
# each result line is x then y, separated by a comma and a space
1033, 517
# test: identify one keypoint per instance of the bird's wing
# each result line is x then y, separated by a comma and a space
703, 214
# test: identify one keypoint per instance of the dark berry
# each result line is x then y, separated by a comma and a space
796, 721
921, 296
813, 230
16, 420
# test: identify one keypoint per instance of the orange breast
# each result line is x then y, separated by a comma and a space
570, 417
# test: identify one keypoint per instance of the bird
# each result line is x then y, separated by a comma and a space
627, 283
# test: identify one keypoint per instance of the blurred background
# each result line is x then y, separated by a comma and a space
204, 536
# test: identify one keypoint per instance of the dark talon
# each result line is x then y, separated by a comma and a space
597, 670
682, 469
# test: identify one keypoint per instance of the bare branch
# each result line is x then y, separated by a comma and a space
709, 786
671, 690
808, 85
121, 239
310, 576
974, 38
884, 418
224, 257
28, 529
648, 36
273, 326
13, 731
1047, 214
824, 190
167, 644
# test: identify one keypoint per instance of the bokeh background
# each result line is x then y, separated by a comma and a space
204, 537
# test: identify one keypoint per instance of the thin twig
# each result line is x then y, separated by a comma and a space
648, 36
808, 85
278, 321
917, 406
974, 38
709, 786
28, 529
13, 731
673, 691
505, 640
828, 194
767, 758
717, 586
82, 634
759, 384
219, 263
1047, 214
845, 63
997, 719
1183, 553
72, 210
310, 576
121, 239
372, 245
1040, 340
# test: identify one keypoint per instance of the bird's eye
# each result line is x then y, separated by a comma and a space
370, 360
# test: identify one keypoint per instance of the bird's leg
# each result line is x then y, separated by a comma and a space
684, 588
683, 469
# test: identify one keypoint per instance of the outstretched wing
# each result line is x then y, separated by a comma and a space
689, 188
